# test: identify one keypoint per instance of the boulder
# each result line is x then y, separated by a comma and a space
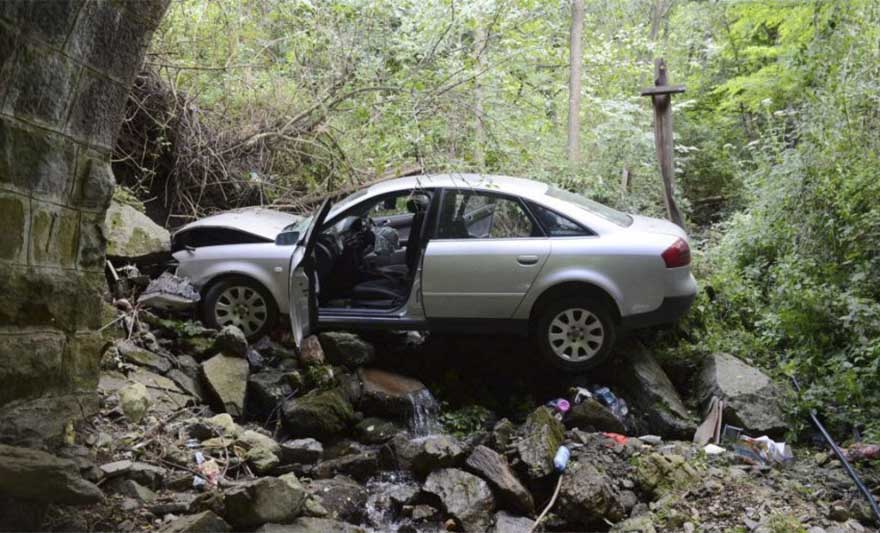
302, 451
263, 500
147, 474
423, 454
134, 401
540, 437
204, 522
346, 349
751, 399
116, 468
360, 466
376, 430
131, 489
590, 414
654, 400
502, 435
261, 459
33, 421
508, 523
311, 352
307, 524
231, 341
136, 355
341, 497
250, 439
658, 473
587, 497
226, 378
131, 234
38, 476
493, 467
319, 414
266, 390
388, 395
188, 384
466, 498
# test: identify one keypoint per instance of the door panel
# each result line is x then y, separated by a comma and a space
303, 287
480, 278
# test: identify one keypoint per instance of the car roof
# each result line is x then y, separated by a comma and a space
518, 186
259, 221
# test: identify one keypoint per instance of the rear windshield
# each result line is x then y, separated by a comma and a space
591, 206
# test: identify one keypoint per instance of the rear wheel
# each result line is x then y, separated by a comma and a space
240, 302
575, 334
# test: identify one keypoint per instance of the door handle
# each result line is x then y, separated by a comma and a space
527, 260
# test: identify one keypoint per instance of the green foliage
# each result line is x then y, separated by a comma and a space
466, 420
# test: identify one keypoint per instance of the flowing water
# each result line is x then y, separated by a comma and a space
425, 410
387, 491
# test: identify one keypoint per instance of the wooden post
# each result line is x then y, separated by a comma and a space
661, 94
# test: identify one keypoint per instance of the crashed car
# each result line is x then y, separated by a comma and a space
457, 252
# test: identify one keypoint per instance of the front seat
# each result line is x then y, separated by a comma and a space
393, 284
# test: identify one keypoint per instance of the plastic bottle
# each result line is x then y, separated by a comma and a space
560, 460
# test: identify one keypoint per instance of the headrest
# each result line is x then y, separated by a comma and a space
419, 202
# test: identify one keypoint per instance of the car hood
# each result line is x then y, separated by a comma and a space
259, 221
657, 225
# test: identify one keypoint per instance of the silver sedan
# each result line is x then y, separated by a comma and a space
466, 252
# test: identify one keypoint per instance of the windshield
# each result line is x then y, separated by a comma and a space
591, 206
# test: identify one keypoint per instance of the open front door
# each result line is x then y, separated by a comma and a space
303, 287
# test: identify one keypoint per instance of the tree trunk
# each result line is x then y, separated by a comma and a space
479, 127
576, 52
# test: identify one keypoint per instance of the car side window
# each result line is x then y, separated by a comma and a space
478, 215
556, 225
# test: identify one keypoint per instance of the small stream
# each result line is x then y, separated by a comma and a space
425, 411
386, 491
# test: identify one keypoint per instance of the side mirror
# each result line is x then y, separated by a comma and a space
287, 238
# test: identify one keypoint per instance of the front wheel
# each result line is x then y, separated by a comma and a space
575, 334
240, 302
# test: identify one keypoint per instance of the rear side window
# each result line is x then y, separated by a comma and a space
556, 225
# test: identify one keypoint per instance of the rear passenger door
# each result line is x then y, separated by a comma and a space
485, 252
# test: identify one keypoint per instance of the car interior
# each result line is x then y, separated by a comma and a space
369, 257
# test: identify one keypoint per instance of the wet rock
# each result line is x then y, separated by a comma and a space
204, 522
655, 402
134, 401
587, 497
311, 352
387, 395
307, 524
360, 466
266, 391
502, 435
508, 523
422, 455
751, 399
226, 378
41, 477
540, 437
659, 473
318, 414
346, 349
263, 500
136, 355
590, 414
376, 430
303, 451
464, 497
131, 234
231, 341
494, 468
341, 497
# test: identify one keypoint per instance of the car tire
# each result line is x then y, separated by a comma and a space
575, 334
250, 307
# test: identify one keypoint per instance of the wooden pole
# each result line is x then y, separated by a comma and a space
661, 94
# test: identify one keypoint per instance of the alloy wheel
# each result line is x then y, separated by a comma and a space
576, 335
243, 307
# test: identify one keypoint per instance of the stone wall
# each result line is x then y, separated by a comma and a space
65, 70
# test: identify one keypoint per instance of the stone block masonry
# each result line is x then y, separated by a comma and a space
65, 70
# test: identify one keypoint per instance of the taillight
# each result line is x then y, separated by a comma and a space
677, 255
